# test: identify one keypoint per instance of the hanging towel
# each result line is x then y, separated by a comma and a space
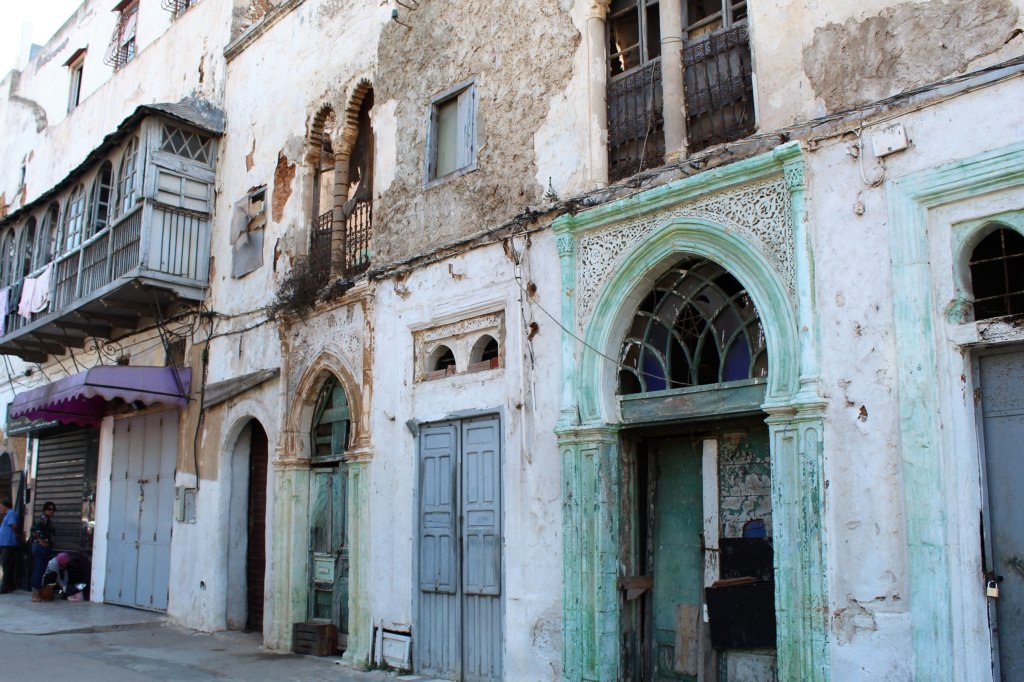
35, 294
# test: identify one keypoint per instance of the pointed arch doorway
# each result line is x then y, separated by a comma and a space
328, 488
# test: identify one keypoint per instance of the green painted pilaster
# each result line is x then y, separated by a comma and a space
909, 200
288, 555
798, 501
590, 531
358, 652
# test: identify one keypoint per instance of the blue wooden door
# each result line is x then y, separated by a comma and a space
458, 630
141, 509
1002, 404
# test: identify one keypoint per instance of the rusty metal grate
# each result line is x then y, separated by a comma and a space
997, 274
320, 247
719, 92
356, 245
636, 137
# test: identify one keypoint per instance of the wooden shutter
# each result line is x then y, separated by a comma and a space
481, 482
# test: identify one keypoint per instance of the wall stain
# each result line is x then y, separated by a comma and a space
283, 176
902, 47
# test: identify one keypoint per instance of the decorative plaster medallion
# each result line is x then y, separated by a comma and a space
758, 212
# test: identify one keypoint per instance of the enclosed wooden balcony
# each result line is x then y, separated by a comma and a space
119, 244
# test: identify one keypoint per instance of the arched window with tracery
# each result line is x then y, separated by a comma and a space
697, 326
997, 274
329, 433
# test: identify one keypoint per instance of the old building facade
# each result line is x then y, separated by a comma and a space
642, 339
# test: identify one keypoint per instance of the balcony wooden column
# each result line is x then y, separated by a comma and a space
342, 157
671, 12
597, 72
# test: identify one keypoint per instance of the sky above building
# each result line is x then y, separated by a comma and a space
29, 21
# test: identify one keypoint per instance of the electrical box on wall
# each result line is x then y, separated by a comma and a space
185, 505
889, 140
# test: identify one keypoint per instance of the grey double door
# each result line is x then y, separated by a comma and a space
1002, 405
141, 509
459, 614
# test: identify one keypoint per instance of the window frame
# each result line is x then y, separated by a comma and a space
640, 7
76, 68
465, 93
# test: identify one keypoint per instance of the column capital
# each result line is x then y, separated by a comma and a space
599, 9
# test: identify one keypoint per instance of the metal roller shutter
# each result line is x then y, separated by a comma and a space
66, 475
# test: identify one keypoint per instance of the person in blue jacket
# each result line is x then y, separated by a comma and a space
9, 544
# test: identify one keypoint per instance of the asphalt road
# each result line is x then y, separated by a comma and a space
161, 652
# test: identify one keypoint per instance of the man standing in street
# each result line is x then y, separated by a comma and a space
9, 545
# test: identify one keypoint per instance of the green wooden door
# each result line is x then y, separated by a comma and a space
677, 562
329, 549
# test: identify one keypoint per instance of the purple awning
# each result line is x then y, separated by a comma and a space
80, 399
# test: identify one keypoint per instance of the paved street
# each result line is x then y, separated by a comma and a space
86, 642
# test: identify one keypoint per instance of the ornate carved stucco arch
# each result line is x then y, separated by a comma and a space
749, 217
636, 276
317, 130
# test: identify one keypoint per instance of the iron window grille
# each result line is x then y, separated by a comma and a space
177, 7
997, 274
122, 44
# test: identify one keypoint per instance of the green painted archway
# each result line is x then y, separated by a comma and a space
589, 423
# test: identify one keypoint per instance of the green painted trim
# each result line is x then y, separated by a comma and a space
909, 199
358, 496
741, 397
587, 428
289, 588
684, 189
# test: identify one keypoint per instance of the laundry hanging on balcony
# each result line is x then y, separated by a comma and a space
82, 398
35, 294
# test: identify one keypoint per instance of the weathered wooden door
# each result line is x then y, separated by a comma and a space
328, 548
255, 553
1002, 405
141, 509
676, 521
458, 625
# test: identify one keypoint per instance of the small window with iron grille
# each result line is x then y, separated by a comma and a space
177, 7
122, 44
175, 352
997, 274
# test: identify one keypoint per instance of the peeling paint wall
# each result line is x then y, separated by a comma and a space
514, 86
813, 58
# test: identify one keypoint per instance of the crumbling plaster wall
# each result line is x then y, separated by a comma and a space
521, 58
866, 525
176, 60
272, 103
447, 292
813, 58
